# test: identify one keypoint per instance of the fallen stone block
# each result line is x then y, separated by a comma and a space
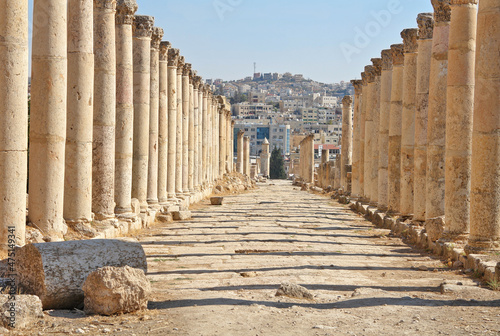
294, 291
56, 271
20, 311
216, 200
116, 290
435, 228
181, 215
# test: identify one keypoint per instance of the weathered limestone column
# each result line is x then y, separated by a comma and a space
232, 145
205, 126
459, 115
103, 159
191, 135
216, 149
163, 139
383, 130
246, 156
143, 28
173, 58
265, 159
369, 130
396, 112
210, 131
377, 72
362, 147
310, 158
154, 108
78, 158
124, 131
178, 131
185, 128
196, 160
485, 189
346, 140
426, 26
200, 133
222, 137
240, 157
408, 119
356, 137
436, 126
48, 116
13, 121
229, 149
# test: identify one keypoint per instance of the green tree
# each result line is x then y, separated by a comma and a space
277, 165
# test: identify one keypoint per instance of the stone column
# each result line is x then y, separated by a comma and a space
459, 115
408, 119
196, 159
154, 108
485, 185
383, 130
205, 126
200, 134
346, 139
362, 147
48, 115
163, 139
216, 149
232, 146
310, 158
426, 26
178, 131
369, 130
78, 158
240, 157
173, 58
228, 140
377, 71
103, 159
246, 156
436, 126
191, 135
222, 138
356, 134
396, 112
14, 121
185, 128
209, 140
265, 159
124, 105
143, 28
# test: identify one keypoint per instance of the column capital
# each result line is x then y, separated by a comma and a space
377, 66
180, 64
464, 2
105, 4
186, 69
369, 74
173, 57
143, 25
192, 75
125, 10
364, 78
386, 59
197, 82
156, 36
164, 50
410, 40
397, 54
358, 86
425, 23
347, 100
442, 10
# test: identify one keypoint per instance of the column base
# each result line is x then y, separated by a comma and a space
478, 246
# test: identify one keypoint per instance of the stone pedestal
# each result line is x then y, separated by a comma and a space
408, 119
485, 185
394, 180
14, 121
383, 130
426, 26
163, 138
358, 86
173, 58
124, 105
436, 126
346, 140
48, 115
459, 114
154, 108
78, 158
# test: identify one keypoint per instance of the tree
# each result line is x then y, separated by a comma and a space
277, 165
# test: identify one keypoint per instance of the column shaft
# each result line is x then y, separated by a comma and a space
191, 138
173, 58
185, 128
377, 68
163, 138
369, 130
178, 130
358, 85
205, 126
346, 140
196, 161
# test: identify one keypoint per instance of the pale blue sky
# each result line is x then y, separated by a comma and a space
318, 38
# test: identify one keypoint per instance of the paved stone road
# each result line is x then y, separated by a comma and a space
364, 281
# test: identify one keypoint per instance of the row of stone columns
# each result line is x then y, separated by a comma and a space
426, 125
116, 114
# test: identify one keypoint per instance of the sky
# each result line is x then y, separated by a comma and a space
325, 40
